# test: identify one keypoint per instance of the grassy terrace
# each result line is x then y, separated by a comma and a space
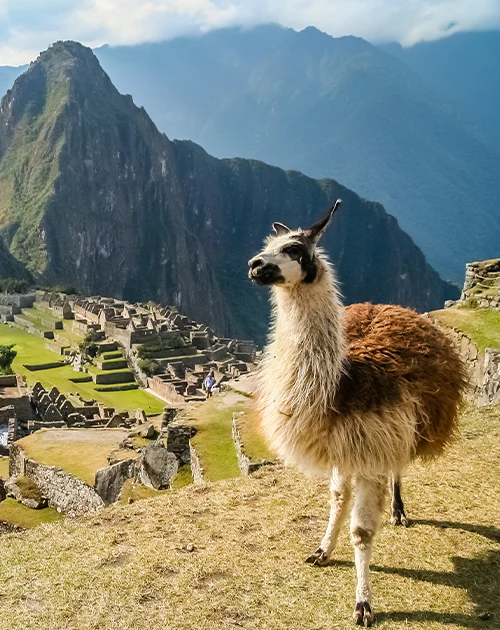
17, 514
213, 441
128, 567
254, 444
31, 350
4, 467
78, 451
482, 326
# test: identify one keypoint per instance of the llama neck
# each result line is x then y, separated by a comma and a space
308, 333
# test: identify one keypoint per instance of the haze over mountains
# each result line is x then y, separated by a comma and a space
93, 195
339, 108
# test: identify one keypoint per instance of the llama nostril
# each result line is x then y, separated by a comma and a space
256, 262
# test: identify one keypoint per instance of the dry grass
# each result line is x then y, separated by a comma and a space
4, 467
80, 452
129, 567
28, 488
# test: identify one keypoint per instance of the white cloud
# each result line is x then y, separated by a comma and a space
28, 26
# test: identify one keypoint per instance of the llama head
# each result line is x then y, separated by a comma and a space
289, 256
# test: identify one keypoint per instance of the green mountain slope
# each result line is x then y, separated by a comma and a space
93, 195
328, 107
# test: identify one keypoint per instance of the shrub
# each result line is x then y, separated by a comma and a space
149, 367
7, 355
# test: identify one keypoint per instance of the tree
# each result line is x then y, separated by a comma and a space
7, 355
88, 347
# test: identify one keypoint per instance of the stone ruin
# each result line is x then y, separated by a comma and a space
55, 410
16, 411
184, 350
481, 287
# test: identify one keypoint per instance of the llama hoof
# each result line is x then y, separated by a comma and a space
363, 615
319, 558
399, 518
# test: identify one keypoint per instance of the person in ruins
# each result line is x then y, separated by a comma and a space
209, 383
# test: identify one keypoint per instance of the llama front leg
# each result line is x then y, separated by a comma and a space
340, 488
365, 518
398, 516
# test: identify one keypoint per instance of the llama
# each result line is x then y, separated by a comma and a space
359, 391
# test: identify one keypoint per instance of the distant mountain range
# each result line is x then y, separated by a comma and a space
464, 68
93, 195
339, 108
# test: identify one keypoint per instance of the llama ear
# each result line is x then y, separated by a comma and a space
314, 232
280, 229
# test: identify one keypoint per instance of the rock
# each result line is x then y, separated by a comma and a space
109, 480
484, 616
158, 466
35, 501
149, 432
450, 303
3, 492
190, 547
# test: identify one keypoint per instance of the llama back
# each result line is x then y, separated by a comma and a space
396, 356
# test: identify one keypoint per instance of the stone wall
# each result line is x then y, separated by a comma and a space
482, 284
17, 299
247, 466
196, 468
165, 389
63, 491
178, 441
484, 370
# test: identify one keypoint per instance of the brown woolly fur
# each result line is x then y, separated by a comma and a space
394, 354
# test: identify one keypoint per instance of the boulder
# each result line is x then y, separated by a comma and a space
3, 492
158, 466
25, 492
109, 480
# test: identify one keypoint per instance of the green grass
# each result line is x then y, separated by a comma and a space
254, 444
482, 326
4, 467
17, 514
80, 452
40, 313
111, 355
31, 350
128, 566
213, 441
132, 492
183, 478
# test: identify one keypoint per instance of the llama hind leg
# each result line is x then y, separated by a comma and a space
398, 516
365, 518
340, 488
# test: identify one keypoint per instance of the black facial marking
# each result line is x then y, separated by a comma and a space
299, 251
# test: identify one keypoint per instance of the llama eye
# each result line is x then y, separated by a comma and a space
293, 250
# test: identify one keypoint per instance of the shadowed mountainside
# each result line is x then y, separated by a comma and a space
329, 107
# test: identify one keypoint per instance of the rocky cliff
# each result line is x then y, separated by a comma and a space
93, 195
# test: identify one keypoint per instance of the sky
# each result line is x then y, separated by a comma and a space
29, 26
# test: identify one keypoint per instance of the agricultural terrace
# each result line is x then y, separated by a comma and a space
482, 326
31, 350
